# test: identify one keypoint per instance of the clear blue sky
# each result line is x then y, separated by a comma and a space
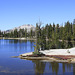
14, 13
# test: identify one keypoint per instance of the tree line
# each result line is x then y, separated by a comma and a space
18, 33
47, 36
66, 32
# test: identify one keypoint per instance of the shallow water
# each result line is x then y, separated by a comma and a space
16, 66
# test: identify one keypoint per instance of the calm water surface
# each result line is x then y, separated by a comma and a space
16, 66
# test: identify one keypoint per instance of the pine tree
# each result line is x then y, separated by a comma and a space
0, 32
73, 31
12, 34
38, 38
25, 33
46, 29
50, 31
68, 29
15, 33
31, 33
57, 31
43, 39
61, 34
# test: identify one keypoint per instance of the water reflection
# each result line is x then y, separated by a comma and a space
8, 71
39, 67
15, 66
18, 45
52, 68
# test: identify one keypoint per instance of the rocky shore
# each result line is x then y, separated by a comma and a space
52, 55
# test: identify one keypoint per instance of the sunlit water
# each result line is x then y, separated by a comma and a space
17, 66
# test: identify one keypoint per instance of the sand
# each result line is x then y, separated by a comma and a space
70, 51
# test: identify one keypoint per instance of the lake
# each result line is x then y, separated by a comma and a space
17, 66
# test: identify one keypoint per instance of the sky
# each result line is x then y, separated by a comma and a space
14, 13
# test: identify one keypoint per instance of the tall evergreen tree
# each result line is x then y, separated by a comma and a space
73, 31
15, 33
0, 32
57, 31
43, 39
38, 36
68, 30
46, 29
31, 33
25, 33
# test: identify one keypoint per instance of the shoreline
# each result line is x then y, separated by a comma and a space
18, 38
50, 59
53, 55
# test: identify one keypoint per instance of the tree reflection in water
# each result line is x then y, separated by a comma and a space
73, 69
53, 68
39, 67
20, 45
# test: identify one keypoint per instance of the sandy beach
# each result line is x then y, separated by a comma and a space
70, 51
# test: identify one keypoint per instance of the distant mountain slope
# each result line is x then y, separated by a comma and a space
25, 26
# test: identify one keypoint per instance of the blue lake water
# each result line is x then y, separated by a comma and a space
17, 66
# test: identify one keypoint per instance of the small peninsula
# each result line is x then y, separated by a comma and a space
52, 55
